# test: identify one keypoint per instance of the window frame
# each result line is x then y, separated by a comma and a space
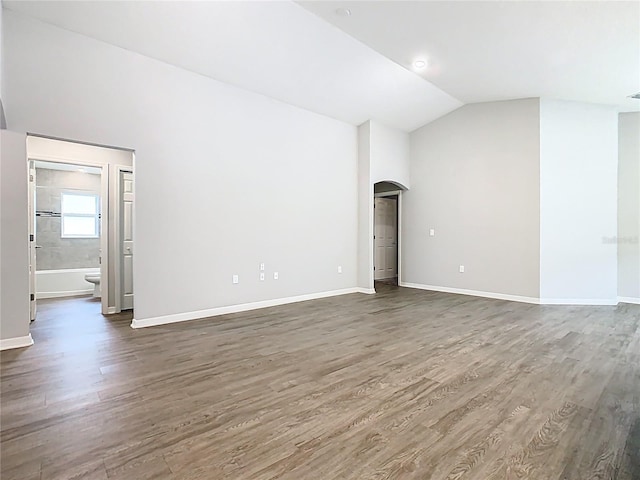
95, 216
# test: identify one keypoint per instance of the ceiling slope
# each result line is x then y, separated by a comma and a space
480, 51
278, 49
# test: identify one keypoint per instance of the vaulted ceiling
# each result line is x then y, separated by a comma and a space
359, 66
481, 51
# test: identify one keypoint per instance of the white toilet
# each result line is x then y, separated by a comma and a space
95, 279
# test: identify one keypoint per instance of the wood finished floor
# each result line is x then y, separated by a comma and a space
405, 384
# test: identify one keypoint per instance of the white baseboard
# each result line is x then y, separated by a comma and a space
517, 298
70, 293
16, 342
474, 293
367, 291
635, 300
578, 301
244, 307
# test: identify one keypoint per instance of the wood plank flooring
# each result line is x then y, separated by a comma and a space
405, 384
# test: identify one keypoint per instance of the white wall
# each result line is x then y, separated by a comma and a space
389, 150
629, 206
14, 231
225, 179
578, 202
365, 209
474, 180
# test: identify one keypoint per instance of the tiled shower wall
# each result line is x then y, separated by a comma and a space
58, 253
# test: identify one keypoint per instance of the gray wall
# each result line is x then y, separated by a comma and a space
225, 179
629, 206
56, 252
14, 231
389, 154
475, 181
365, 209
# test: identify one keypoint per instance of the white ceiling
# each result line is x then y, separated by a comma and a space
478, 51
278, 49
482, 51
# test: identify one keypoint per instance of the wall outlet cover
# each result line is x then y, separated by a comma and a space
275, 275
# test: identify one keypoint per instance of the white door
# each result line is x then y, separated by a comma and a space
386, 238
32, 240
126, 240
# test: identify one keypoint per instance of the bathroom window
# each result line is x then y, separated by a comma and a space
80, 215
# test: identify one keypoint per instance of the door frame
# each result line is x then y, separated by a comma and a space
31, 208
117, 230
104, 220
391, 193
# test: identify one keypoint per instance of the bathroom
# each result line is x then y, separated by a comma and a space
67, 230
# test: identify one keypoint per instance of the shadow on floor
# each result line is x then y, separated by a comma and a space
387, 281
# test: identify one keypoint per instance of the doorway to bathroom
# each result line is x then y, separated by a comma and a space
66, 228
81, 224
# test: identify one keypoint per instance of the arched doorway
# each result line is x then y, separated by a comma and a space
387, 221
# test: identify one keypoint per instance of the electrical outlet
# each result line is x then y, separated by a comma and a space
432, 232
275, 275
261, 275
235, 279
339, 268
262, 268
461, 269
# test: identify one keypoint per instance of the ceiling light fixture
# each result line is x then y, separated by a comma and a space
343, 12
419, 64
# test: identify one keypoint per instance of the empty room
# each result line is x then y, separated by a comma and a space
174, 305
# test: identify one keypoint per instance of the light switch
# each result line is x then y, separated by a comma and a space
461, 269
432, 232
262, 267
339, 268
235, 279
275, 275
261, 275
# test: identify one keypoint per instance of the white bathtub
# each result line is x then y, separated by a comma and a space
64, 283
